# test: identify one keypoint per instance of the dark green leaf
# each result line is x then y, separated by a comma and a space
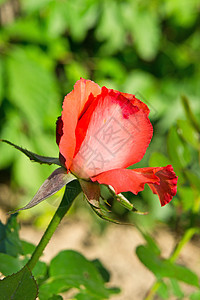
164, 268
9, 237
58, 179
35, 157
39, 270
9, 264
18, 286
101, 269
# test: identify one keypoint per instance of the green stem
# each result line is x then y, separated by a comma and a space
185, 239
59, 214
153, 290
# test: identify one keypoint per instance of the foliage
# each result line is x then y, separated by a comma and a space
69, 269
148, 48
45, 46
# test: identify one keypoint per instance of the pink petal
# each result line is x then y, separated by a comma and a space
162, 181
116, 135
73, 106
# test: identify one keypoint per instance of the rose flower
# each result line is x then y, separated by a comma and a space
100, 133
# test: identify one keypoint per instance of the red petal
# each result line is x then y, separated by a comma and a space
137, 102
162, 181
73, 106
116, 135
168, 184
124, 180
59, 130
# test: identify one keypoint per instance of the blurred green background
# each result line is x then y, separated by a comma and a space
148, 48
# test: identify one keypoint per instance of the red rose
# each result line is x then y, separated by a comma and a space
102, 132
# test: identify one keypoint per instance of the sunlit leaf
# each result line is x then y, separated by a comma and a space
164, 268
70, 269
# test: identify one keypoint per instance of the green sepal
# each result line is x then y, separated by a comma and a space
125, 202
35, 157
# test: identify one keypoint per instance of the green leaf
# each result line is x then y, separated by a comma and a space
29, 79
110, 28
163, 290
9, 264
195, 296
159, 160
27, 247
56, 297
142, 20
151, 242
40, 270
9, 237
57, 180
1, 80
164, 268
19, 286
101, 269
187, 196
178, 151
176, 289
85, 296
188, 133
77, 271
193, 179
190, 115
35, 157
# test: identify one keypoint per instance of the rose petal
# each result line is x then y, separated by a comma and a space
124, 180
116, 136
73, 106
161, 180
137, 102
168, 184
